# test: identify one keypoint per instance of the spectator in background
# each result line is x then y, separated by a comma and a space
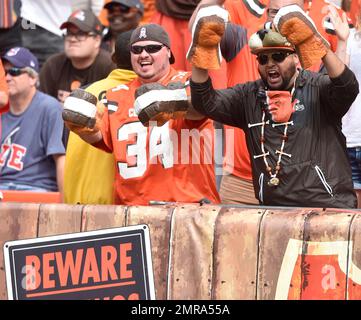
40, 26
10, 25
91, 180
93, 5
81, 63
32, 154
3, 89
123, 15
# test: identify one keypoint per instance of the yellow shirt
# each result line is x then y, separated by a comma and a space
89, 173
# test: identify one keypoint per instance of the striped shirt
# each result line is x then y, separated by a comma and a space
7, 14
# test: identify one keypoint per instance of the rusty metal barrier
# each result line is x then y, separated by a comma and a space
215, 252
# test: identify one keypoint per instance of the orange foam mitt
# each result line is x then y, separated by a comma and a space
294, 24
207, 31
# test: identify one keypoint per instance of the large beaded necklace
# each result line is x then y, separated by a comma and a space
274, 180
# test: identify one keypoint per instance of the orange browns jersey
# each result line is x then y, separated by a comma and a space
158, 163
326, 29
250, 14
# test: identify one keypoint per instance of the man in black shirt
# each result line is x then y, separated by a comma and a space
292, 120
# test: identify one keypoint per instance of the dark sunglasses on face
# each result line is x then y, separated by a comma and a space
14, 72
151, 48
118, 8
276, 57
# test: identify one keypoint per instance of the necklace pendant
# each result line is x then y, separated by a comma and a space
274, 182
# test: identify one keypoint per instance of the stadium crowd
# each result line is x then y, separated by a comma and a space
60, 57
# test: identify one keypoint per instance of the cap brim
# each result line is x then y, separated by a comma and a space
18, 64
81, 27
15, 62
66, 24
257, 51
109, 4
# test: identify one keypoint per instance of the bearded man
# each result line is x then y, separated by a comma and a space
291, 117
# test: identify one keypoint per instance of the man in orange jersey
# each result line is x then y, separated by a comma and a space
155, 163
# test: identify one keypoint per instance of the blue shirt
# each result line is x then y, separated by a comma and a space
29, 141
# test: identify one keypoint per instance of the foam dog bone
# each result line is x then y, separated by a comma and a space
293, 23
207, 31
158, 103
80, 109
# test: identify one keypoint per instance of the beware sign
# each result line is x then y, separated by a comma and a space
111, 264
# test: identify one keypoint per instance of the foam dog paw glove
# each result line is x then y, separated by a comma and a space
157, 104
207, 31
294, 24
80, 113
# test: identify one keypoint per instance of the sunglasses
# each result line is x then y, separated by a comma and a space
151, 48
14, 72
118, 7
276, 57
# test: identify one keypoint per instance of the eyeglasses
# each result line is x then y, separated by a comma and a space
14, 72
276, 57
79, 36
151, 48
118, 7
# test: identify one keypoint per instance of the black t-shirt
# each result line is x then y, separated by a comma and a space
58, 76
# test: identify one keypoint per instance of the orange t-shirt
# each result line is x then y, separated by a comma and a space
3, 87
251, 15
152, 162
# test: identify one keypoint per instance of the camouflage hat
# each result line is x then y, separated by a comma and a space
266, 39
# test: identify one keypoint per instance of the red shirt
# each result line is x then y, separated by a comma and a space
152, 162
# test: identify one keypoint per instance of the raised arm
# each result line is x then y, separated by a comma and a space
334, 63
